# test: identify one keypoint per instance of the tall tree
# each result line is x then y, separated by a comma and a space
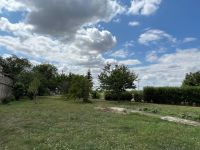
89, 77
192, 79
47, 74
117, 79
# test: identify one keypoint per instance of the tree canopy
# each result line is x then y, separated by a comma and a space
117, 79
192, 79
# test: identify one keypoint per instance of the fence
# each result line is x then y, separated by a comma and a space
5, 86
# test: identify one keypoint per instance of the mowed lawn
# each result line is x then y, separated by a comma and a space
62, 125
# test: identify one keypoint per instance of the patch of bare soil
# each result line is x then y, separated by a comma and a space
167, 118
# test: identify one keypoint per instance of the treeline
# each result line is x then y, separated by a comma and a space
187, 94
44, 79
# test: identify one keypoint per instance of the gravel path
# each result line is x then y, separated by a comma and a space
167, 118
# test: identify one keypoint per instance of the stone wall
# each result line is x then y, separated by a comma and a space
5, 86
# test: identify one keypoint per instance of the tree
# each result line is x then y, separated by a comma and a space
33, 88
17, 69
118, 79
47, 74
192, 79
14, 65
89, 77
79, 87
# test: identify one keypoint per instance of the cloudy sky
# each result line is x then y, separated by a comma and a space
158, 39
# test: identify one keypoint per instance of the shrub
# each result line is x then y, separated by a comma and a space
172, 95
124, 96
18, 90
138, 96
8, 99
95, 95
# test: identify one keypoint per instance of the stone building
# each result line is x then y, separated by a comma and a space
5, 85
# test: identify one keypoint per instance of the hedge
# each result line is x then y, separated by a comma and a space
124, 96
138, 96
172, 95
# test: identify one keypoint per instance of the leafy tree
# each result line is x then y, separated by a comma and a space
79, 87
192, 79
33, 88
47, 74
118, 79
17, 68
14, 65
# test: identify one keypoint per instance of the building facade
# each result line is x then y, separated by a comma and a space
6, 84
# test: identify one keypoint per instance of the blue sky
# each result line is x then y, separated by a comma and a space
158, 39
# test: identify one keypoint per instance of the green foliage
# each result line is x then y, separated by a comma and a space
14, 65
33, 87
172, 95
47, 75
89, 77
79, 87
115, 82
192, 79
95, 94
17, 68
138, 96
117, 79
8, 100
18, 90
122, 96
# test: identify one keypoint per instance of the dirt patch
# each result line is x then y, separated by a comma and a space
179, 120
120, 110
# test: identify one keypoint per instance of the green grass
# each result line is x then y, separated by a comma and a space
57, 124
186, 112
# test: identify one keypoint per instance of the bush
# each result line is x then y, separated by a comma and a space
124, 96
8, 99
95, 95
172, 95
138, 96
18, 90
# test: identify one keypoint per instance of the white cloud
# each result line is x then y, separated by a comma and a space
144, 7
189, 39
6, 55
152, 57
120, 53
154, 35
5, 25
11, 5
130, 62
134, 23
66, 17
170, 69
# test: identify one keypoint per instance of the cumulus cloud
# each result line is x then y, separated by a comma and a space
85, 49
11, 5
170, 69
5, 25
65, 17
134, 23
144, 7
154, 35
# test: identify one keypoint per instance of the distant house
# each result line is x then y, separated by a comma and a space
6, 84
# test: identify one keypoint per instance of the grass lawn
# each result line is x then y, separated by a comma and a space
57, 124
185, 112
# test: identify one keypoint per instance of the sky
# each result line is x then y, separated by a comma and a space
157, 39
